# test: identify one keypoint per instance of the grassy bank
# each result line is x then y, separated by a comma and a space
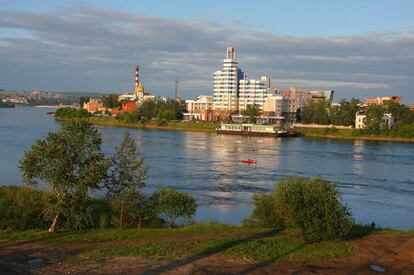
260, 245
346, 134
170, 125
211, 246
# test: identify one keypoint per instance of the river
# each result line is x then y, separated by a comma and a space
375, 178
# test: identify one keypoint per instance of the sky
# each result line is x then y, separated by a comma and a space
357, 48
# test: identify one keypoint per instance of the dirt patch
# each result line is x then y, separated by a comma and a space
395, 254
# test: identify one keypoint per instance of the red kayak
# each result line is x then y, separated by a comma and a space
249, 161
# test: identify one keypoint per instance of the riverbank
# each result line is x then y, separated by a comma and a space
203, 249
211, 127
346, 134
170, 125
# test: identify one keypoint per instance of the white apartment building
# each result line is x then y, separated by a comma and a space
253, 92
226, 84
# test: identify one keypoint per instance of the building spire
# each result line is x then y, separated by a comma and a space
230, 53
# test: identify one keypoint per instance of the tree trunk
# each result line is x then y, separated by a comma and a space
121, 218
52, 228
171, 222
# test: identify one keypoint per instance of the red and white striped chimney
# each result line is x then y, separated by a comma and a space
136, 74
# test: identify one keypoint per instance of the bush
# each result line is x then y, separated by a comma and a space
171, 204
71, 113
265, 213
312, 205
21, 208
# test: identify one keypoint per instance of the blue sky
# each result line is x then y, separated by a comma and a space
358, 48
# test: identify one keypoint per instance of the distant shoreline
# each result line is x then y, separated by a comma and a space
345, 134
211, 128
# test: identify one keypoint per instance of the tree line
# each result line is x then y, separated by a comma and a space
161, 110
321, 112
71, 165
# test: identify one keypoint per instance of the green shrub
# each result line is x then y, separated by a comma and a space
312, 205
71, 113
171, 205
265, 213
21, 208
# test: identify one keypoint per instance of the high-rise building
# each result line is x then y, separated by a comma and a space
226, 84
253, 92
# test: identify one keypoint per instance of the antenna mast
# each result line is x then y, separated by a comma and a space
177, 93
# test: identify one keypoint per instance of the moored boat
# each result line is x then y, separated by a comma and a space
254, 130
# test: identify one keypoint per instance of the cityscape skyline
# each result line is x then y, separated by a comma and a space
68, 47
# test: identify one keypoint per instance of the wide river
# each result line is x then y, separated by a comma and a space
376, 178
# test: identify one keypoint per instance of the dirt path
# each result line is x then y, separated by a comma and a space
392, 253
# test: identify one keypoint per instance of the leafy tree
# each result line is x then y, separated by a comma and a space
374, 121
127, 176
252, 112
316, 112
172, 204
344, 114
71, 163
148, 109
110, 101
401, 112
71, 113
83, 100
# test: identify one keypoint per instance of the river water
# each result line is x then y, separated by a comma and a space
376, 178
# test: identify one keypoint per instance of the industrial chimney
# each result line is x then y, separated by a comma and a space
136, 75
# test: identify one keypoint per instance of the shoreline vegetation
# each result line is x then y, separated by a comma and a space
331, 133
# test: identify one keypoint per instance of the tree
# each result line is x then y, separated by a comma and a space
252, 112
148, 109
110, 101
70, 162
316, 112
127, 176
83, 100
172, 204
374, 121
344, 114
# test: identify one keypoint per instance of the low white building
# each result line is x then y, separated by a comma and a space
360, 118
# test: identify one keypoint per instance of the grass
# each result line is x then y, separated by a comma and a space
170, 125
219, 239
125, 234
279, 248
345, 134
